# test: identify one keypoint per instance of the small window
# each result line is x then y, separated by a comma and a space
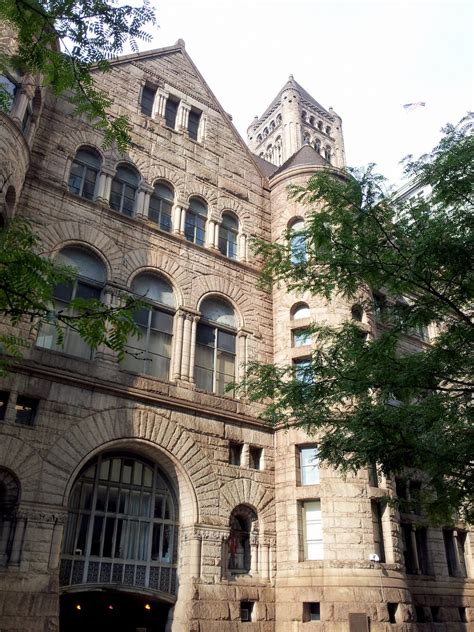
302, 370
25, 408
84, 171
462, 614
312, 611
377, 528
435, 614
301, 338
194, 119
246, 610
300, 311
298, 252
328, 131
228, 233
171, 110
327, 153
235, 453
309, 465
320, 125
255, 458
124, 190
357, 312
8, 88
161, 206
420, 614
312, 530
380, 307
317, 146
4, 395
147, 100
392, 612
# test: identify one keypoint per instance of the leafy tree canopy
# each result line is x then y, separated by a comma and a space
63, 40
27, 283
370, 399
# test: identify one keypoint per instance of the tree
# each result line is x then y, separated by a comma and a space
64, 40
367, 400
27, 286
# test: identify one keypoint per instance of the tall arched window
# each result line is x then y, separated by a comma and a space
327, 153
124, 190
215, 346
297, 243
9, 497
300, 311
195, 224
228, 232
243, 522
122, 526
317, 145
84, 172
161, 205
91, 278
150, 353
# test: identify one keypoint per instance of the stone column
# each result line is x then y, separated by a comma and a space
202, 128
192, 353
264, 560
242, 246
253, 555
19, 106
56, 539
103, 353
143, 200
104, 185
159, 104
178, 345
211, 230
18, 539
196, 546
241, 354
183, 115
186, 350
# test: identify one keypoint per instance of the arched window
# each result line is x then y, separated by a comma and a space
328, 130
272, 125
278, 119
300, 311
297, 243
278, 157
303, 115
317, 145
228, 232
9, 497
243, 523
320, 125
124, 190
327, 153
311, 120
305, 138
161, 205
357, 312
84, 171
195, 225
91, 278
150, 353
122, 526
215, 346
259, 138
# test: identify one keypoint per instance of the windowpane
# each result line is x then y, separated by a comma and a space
84, 172
312, 528
147, 100
226, 341
301, 338
206, 335
170, 112
193, 123
160, 208
309, 466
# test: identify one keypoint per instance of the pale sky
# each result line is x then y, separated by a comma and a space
365, 59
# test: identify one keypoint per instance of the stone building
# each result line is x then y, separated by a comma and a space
142, 495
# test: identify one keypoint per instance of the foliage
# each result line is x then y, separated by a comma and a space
373, 399
27, 283
64, 40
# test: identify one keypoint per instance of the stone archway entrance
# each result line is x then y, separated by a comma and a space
109, 610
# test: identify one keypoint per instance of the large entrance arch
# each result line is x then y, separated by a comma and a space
121, 535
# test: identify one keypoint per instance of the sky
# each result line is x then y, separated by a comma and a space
364, 58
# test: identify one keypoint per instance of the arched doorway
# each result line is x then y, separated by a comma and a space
120, 546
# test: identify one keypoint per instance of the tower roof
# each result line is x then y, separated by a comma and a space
305, 156
306, 99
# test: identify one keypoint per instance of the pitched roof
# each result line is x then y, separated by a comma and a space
291, 83
268, 168
305, 156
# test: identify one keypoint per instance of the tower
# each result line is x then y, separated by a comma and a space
293, 119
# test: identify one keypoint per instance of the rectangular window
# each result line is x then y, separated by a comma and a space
25, 408
380, 307
435, 614
193, 123
377, 529
4, 395
309, 465
147, 100
312, 530
454, 549
420, 614
373, 476
301, 338
171, 111
392, 612
311, 611
255, 458
462, 614
302, 370
235, 453
408, 550
246, 610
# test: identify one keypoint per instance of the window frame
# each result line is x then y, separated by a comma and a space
85, 168
319, 542
228, 237
193, 219
167, 226
147, 92
123, 186
171, 113
304, 479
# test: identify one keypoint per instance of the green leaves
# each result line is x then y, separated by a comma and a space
65, 41
389, 399
27, 283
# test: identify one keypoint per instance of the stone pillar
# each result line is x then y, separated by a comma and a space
241, 354
211, 231
196, 546
202, 128
104, 185
19, 106
159, 104
143, 200
242, 246
264, 560
178, 345
183, 115
103, 353
192, 353
56, 539
253, 555
18, 539
186, 350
